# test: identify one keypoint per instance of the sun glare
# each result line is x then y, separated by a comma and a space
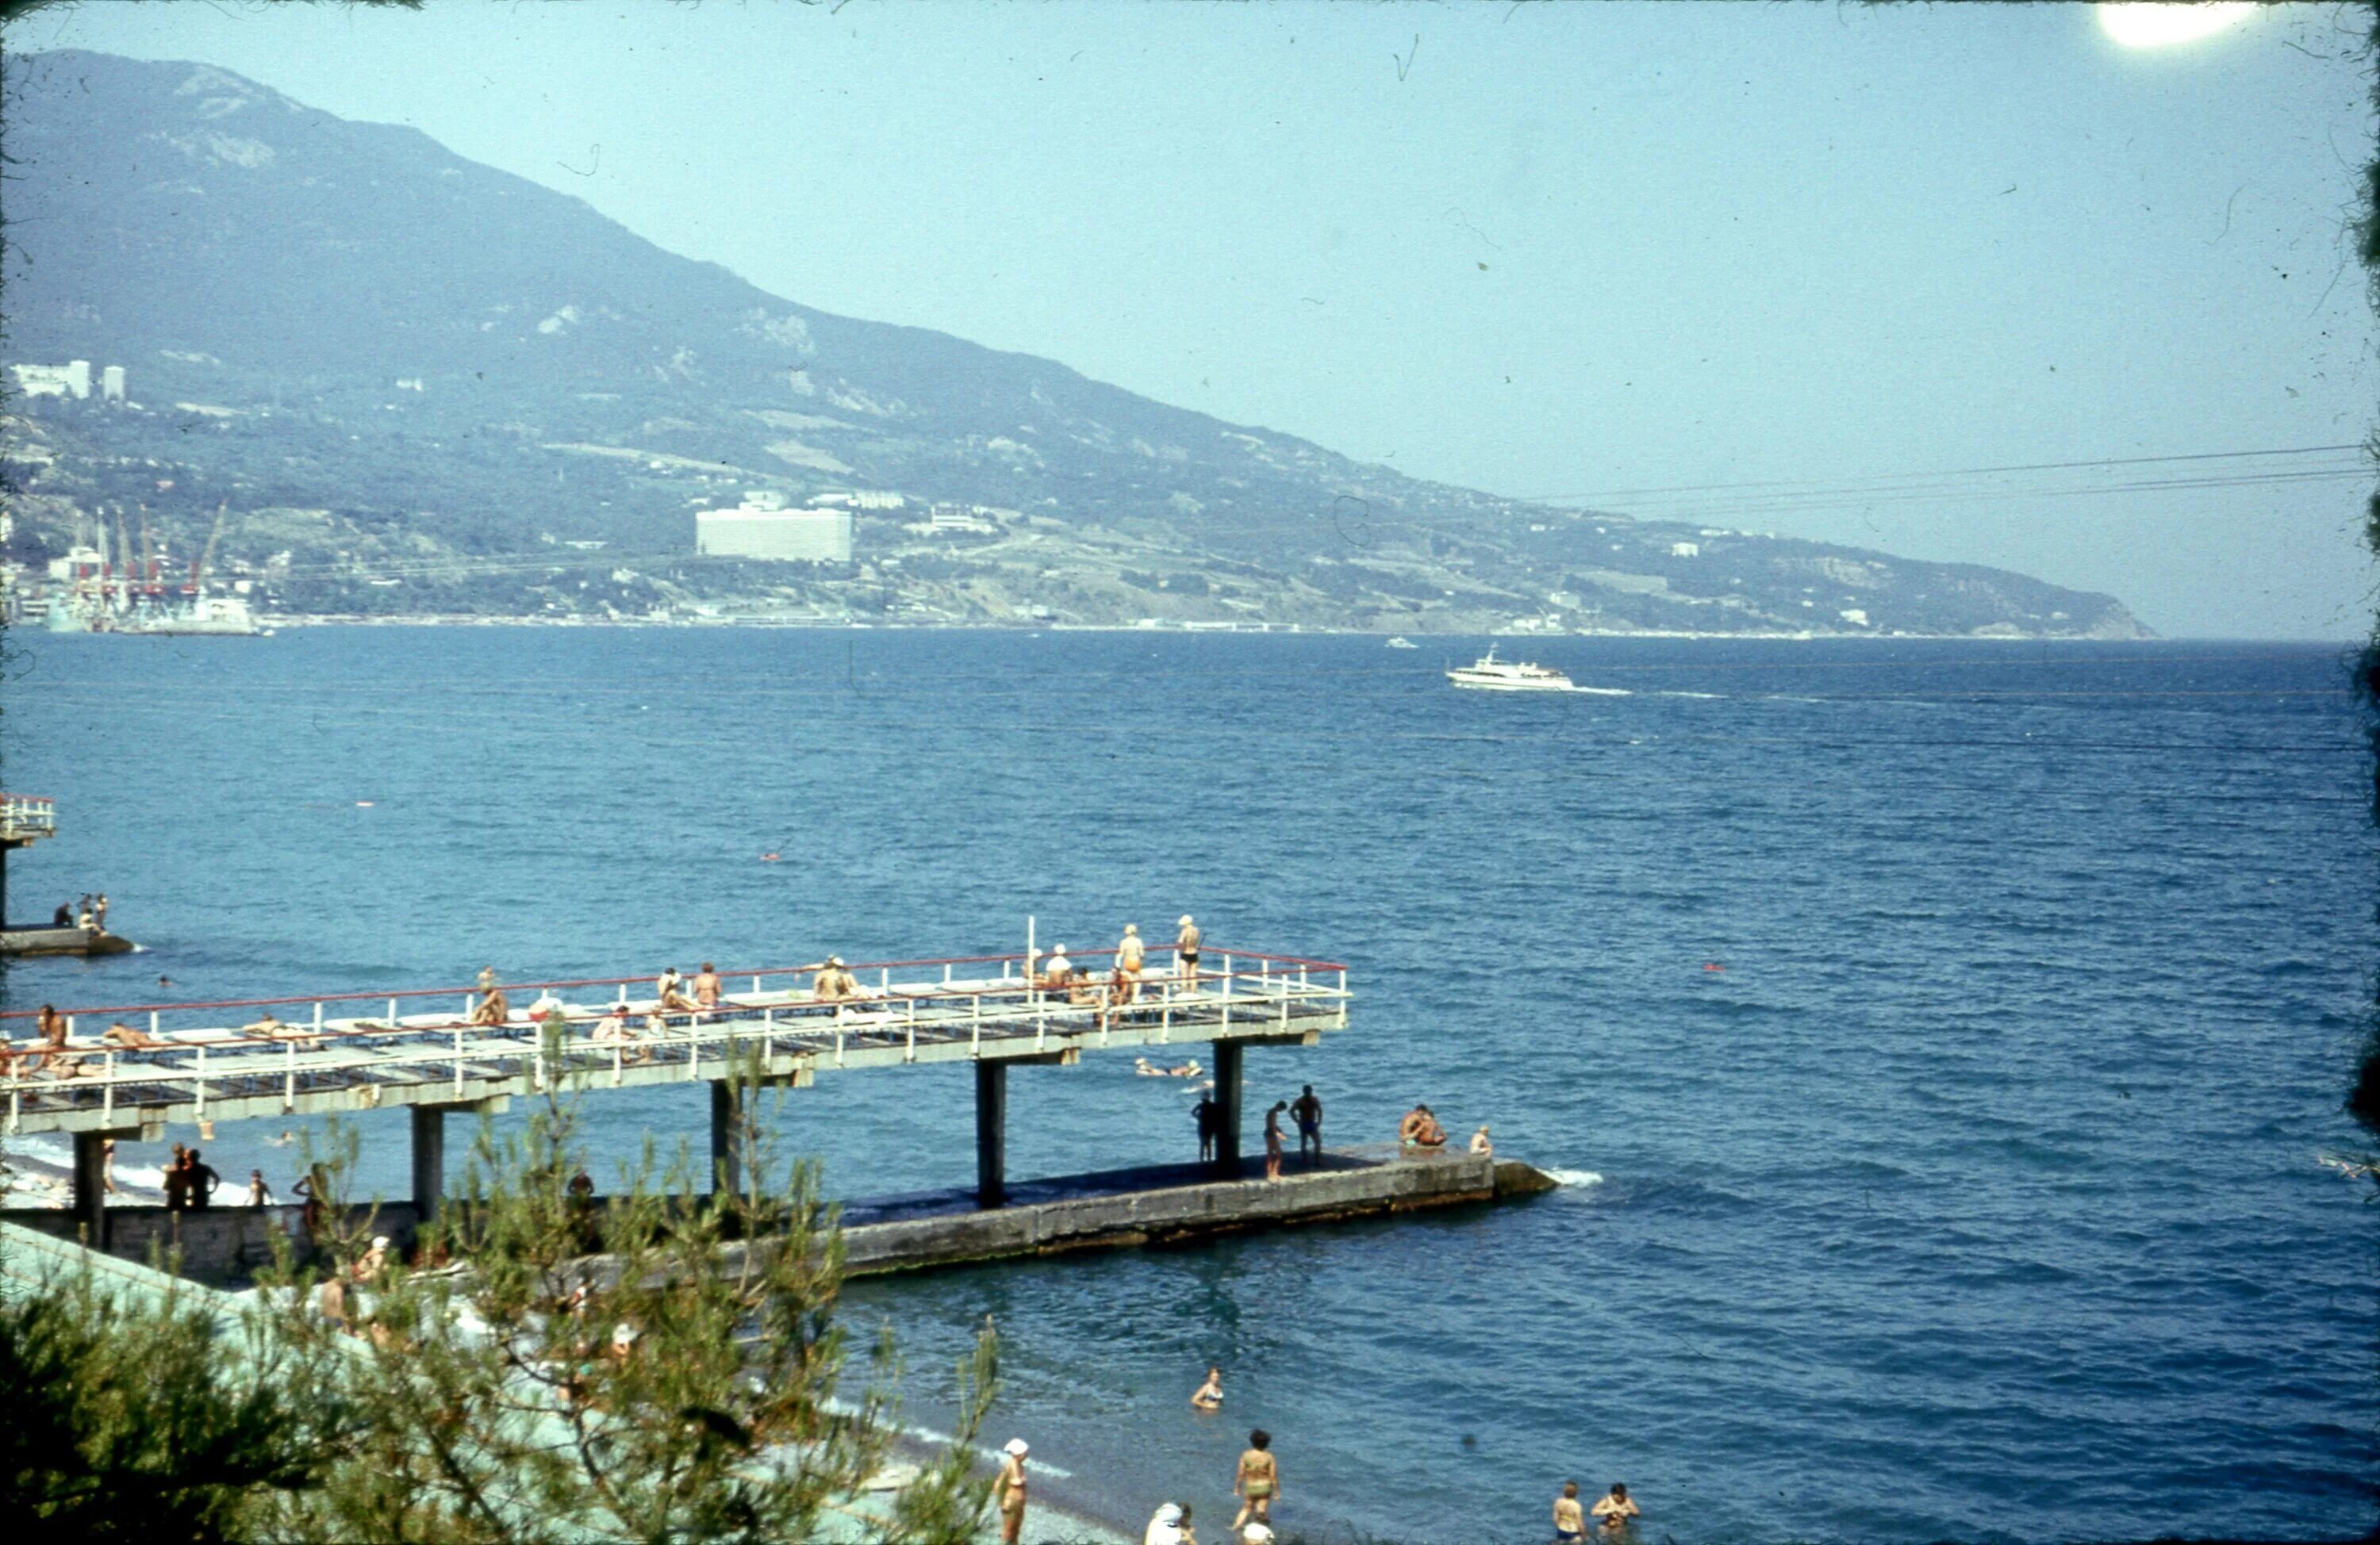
2162, 26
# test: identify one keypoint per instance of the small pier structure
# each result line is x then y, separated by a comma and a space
270, 1058
26, 819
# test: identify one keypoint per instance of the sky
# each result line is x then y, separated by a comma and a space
1788, 258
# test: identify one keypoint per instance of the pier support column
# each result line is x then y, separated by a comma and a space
991, 1133
1227, 1102
727, 1140
90, 1187
429, 1161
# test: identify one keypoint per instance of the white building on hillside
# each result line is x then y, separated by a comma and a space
71, 380
111, 384
798, 536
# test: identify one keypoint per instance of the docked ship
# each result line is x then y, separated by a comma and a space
1490, 674
93, 594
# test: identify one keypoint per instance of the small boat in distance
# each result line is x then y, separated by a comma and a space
1401, 642
1490, 674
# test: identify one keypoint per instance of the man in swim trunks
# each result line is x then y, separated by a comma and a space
1185, 950
1570, 1516
1259, 1480
1307, 1111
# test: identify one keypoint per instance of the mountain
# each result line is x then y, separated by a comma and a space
419, 384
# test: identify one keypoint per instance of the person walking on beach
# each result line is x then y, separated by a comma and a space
1273, 1138
1259, 1480
1570, 1516
1308, 1110
1008, 1491
1615, 1507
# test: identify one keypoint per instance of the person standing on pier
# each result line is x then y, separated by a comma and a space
259, 1193
1273, 1138
108, 1167
177, 1180
204, 1182
1185, 952
1209, 1118
99, 911
1130, 955
1307, 1111
1008, 1491
1259, 1480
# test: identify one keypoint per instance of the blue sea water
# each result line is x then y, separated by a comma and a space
1975, 1197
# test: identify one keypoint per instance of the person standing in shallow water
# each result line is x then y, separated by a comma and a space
1259, 1480
1570, 1516
1615, 1508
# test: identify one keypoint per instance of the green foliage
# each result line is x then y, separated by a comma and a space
143, 1420
662, 1365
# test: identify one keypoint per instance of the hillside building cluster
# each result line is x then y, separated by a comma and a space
69, 379
761, 527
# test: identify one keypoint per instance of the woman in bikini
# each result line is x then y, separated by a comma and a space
1259, 1480
1210, 1393
1273, 1139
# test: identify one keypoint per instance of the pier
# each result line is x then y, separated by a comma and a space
272, 1058
26, 819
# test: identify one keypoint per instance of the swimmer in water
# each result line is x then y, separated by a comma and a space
1210, 1393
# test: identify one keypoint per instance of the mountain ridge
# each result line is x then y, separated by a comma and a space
358, 324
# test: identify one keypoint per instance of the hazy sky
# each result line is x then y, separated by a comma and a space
1535, 248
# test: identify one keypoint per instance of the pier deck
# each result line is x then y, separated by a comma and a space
215, 1062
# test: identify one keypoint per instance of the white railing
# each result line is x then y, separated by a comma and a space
26, 817
319, 1055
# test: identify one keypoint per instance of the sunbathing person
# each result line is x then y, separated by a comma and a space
613, 1029
706, 987
493, 1009
1420, 1129
268, 1026
49, 1050
1058, 973
669, 993
835, 984
122, 1034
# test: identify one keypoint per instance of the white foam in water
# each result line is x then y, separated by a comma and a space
1575, 1178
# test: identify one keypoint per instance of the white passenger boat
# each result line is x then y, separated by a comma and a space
1490, 674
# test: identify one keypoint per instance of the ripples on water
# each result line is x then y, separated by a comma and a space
1974, 1196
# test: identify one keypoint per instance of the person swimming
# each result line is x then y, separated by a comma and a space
1210, 1393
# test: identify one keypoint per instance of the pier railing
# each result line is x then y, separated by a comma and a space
194, 1061
24, 817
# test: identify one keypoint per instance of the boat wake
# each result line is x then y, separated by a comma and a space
1605, 692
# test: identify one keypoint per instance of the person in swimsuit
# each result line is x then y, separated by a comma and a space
1130, 955
1307, 1112
493, 1008
49, 1050
1210, 1393
1613, 1509
834, 982
1273, 1137
669, 991
1570, 1516
706, 985
1186, 951
1259, 1480
1481, 1146
1008, 1491
124, 1035
614, 1028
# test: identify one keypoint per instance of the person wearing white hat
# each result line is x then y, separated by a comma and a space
1186, 951
1165, 1528
1009, 1490
1130, 954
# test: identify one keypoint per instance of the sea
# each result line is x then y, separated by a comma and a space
1938, 1041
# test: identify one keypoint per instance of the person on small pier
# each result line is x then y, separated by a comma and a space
834, 982
1480, 1146
706, 987
613, 1029
130, 1037
493, 1009
1259, 1480
204, 1181
177, 1180
1210, 1117
82, 916
1210, 1393
1306, 1110
1186, 951
49, 1052
63, 916
259, 1193
1273, 1137
98, 912
1615, 1507
107, 1186
1131, 954
1008, 1491
269, 1026
1420, 1129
